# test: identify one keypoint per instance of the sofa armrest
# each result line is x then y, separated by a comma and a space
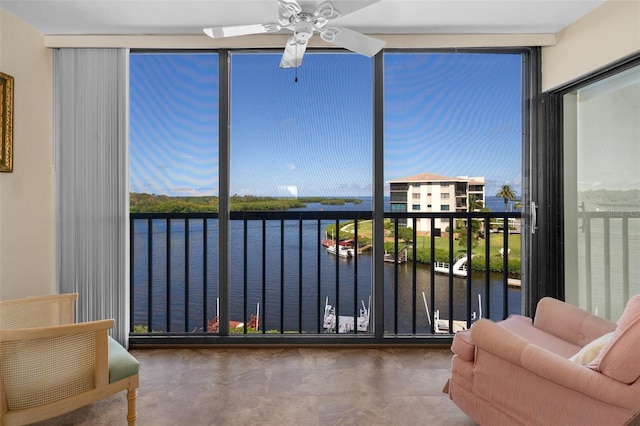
503, 343
570, 323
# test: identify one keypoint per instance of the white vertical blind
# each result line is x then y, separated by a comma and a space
91, 103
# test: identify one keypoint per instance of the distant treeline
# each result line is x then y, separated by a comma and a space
151, 203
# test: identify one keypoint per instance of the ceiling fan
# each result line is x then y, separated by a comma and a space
304, 18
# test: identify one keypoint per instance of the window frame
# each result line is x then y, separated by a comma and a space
532, 126
550, 107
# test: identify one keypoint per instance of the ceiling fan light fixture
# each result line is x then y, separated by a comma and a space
303, 29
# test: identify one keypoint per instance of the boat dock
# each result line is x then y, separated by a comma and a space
400, 257
459, 267
345, 322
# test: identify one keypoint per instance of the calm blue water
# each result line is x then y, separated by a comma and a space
305, 276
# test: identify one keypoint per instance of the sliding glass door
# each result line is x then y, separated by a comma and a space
602, 193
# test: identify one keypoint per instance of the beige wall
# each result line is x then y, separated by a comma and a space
27, 228
27, 217
607, 34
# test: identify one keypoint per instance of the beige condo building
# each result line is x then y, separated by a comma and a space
428, 192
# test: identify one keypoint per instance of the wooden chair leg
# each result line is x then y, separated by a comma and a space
132, 415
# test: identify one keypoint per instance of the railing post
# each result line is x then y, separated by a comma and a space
168, 272
469, 266
186, 275
487, 265
414, 284
505, 267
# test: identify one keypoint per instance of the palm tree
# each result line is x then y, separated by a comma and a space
475, 203
507, 194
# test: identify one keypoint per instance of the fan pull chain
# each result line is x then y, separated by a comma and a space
296, 71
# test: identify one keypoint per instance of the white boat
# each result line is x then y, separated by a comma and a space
459, 266
345, 322
342, 250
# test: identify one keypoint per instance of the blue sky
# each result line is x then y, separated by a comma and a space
449, 114
173, 124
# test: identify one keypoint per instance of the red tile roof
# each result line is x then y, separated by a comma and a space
424, 177
431, 177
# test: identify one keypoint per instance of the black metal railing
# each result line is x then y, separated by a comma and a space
311, 274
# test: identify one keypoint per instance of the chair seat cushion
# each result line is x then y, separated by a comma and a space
121, 363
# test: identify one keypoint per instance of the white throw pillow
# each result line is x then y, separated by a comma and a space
591, 350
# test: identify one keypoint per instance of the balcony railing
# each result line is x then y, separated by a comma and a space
310, 276
608, 248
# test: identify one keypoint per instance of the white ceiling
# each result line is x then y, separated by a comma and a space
157, 17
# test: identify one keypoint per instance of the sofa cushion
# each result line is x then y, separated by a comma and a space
121, 363
591, 350
618, 358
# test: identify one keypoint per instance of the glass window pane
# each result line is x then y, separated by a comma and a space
307, 138
173, 168
602, 196
453, 126
297, 134
173, 114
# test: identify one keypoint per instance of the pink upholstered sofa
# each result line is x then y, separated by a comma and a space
567, 367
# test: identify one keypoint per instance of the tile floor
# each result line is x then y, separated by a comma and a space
284, 386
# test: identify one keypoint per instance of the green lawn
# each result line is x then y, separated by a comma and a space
365, 229
423, 244
495, 244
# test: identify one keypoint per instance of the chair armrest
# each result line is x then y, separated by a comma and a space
569, 322
503, 343
37, 311
47, 364
498, 340
463, 346
54, 331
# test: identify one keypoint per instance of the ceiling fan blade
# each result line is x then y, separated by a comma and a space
219, 32
352, 40
293, 53
347, 7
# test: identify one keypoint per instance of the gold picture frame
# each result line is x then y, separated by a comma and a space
6, 123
